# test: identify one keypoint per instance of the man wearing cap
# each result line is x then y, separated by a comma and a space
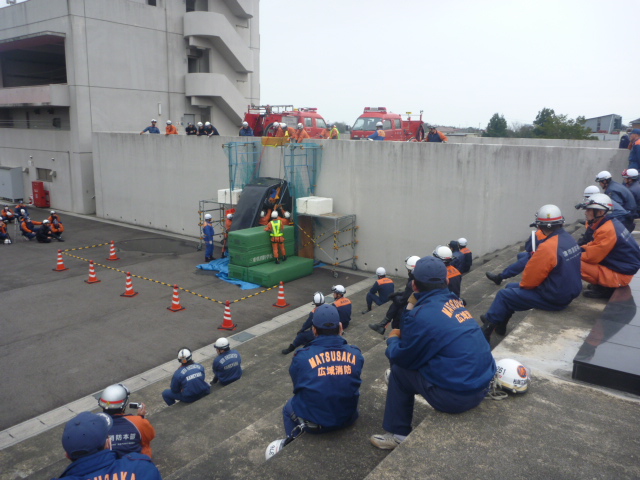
191, 129
634, 143
227, 366
151, 128
551, 278
435, 136
326, 379
86, 441
440, 354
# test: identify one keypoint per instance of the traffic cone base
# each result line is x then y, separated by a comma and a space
112, 252
60, 266
175, 302
281, 303
227, 324
92, 274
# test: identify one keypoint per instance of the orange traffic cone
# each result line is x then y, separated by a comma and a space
60, 267
175, 303
129, 291
92, 274
227, 324
112, 252
281, 303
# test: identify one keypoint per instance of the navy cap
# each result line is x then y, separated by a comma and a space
326, 316
430, 270
636, 131
86, 434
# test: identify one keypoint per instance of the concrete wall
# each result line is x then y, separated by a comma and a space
408, 197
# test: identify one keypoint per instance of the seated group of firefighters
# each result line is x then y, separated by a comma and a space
44, 232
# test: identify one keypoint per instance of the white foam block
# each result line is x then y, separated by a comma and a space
314, 205
229, 197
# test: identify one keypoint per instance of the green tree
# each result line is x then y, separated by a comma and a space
549, 125
497, 127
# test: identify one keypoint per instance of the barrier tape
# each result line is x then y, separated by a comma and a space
108, 267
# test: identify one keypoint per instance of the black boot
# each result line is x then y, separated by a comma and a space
277, 261
289, 349
494, 277
284, 258
487, 328
379, 327
364, 312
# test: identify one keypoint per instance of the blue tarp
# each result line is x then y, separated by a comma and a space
221, 265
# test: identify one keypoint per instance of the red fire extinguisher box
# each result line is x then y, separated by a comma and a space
40, 195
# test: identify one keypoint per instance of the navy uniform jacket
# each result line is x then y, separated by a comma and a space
190, 381
228, 367
467, 260
326, 381
455, 279
634, 188
344, 310
622, 195
106, 464
442, 341
246, 132
458, 260
383, 287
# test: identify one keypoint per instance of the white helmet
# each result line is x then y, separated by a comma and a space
7, 241
221, 344
245, 124
300, 126
114, 397
274, 214
630, 173
22, 212
207, 123
287, 215
207, 216
53, 212
602, 176
262, 213
274, 447
410, 262
283, 125
168, 122
154, 120
548, 215
339, 289
443, 252
462, 242
511, 375
229, 216
318, 298
378, 124
380, 271
184, 355
45, 221
590, 190
199, 124
600, 201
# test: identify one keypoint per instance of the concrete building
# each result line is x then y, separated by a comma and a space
69, 68
605, 124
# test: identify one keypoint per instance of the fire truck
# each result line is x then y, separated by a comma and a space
264, 119
401, 128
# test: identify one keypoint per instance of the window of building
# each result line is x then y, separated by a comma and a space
197, 5
44, 174
197, 60
152, 3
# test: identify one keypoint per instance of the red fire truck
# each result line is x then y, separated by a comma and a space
396, 127
264, 119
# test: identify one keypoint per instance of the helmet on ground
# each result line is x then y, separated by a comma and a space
630, 173
378, 124
512, 376
283, 125
274, 214
443, 252
410, 262
229, 216
590, 190
7, 241
462, 242
199, 124
221, 344
300, 126
207, 216
603, 176
168, 122
274, 447
380, 271
153, 120
600, 201
548, 215
287, 215
318, 298
245, 124
114, 397
339, 289
184, 355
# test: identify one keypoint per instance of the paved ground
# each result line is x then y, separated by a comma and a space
63, 339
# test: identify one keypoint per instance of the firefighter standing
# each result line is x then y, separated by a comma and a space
334, 134
276, 231
208, 233
227, 228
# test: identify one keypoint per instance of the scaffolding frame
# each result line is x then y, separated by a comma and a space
218, 217
340, 231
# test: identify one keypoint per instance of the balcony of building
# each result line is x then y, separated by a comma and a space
207, 89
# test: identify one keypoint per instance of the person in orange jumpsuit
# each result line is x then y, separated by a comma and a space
276, 231
299, 134
56, 226
170, 129
227, 227
28, 229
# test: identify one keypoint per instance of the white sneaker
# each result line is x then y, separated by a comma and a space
386, 441
387, 373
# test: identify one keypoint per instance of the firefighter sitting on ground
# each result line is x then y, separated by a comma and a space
276, 231
56, 226
28, 228
4, 236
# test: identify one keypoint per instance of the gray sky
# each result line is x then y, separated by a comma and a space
460, 61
